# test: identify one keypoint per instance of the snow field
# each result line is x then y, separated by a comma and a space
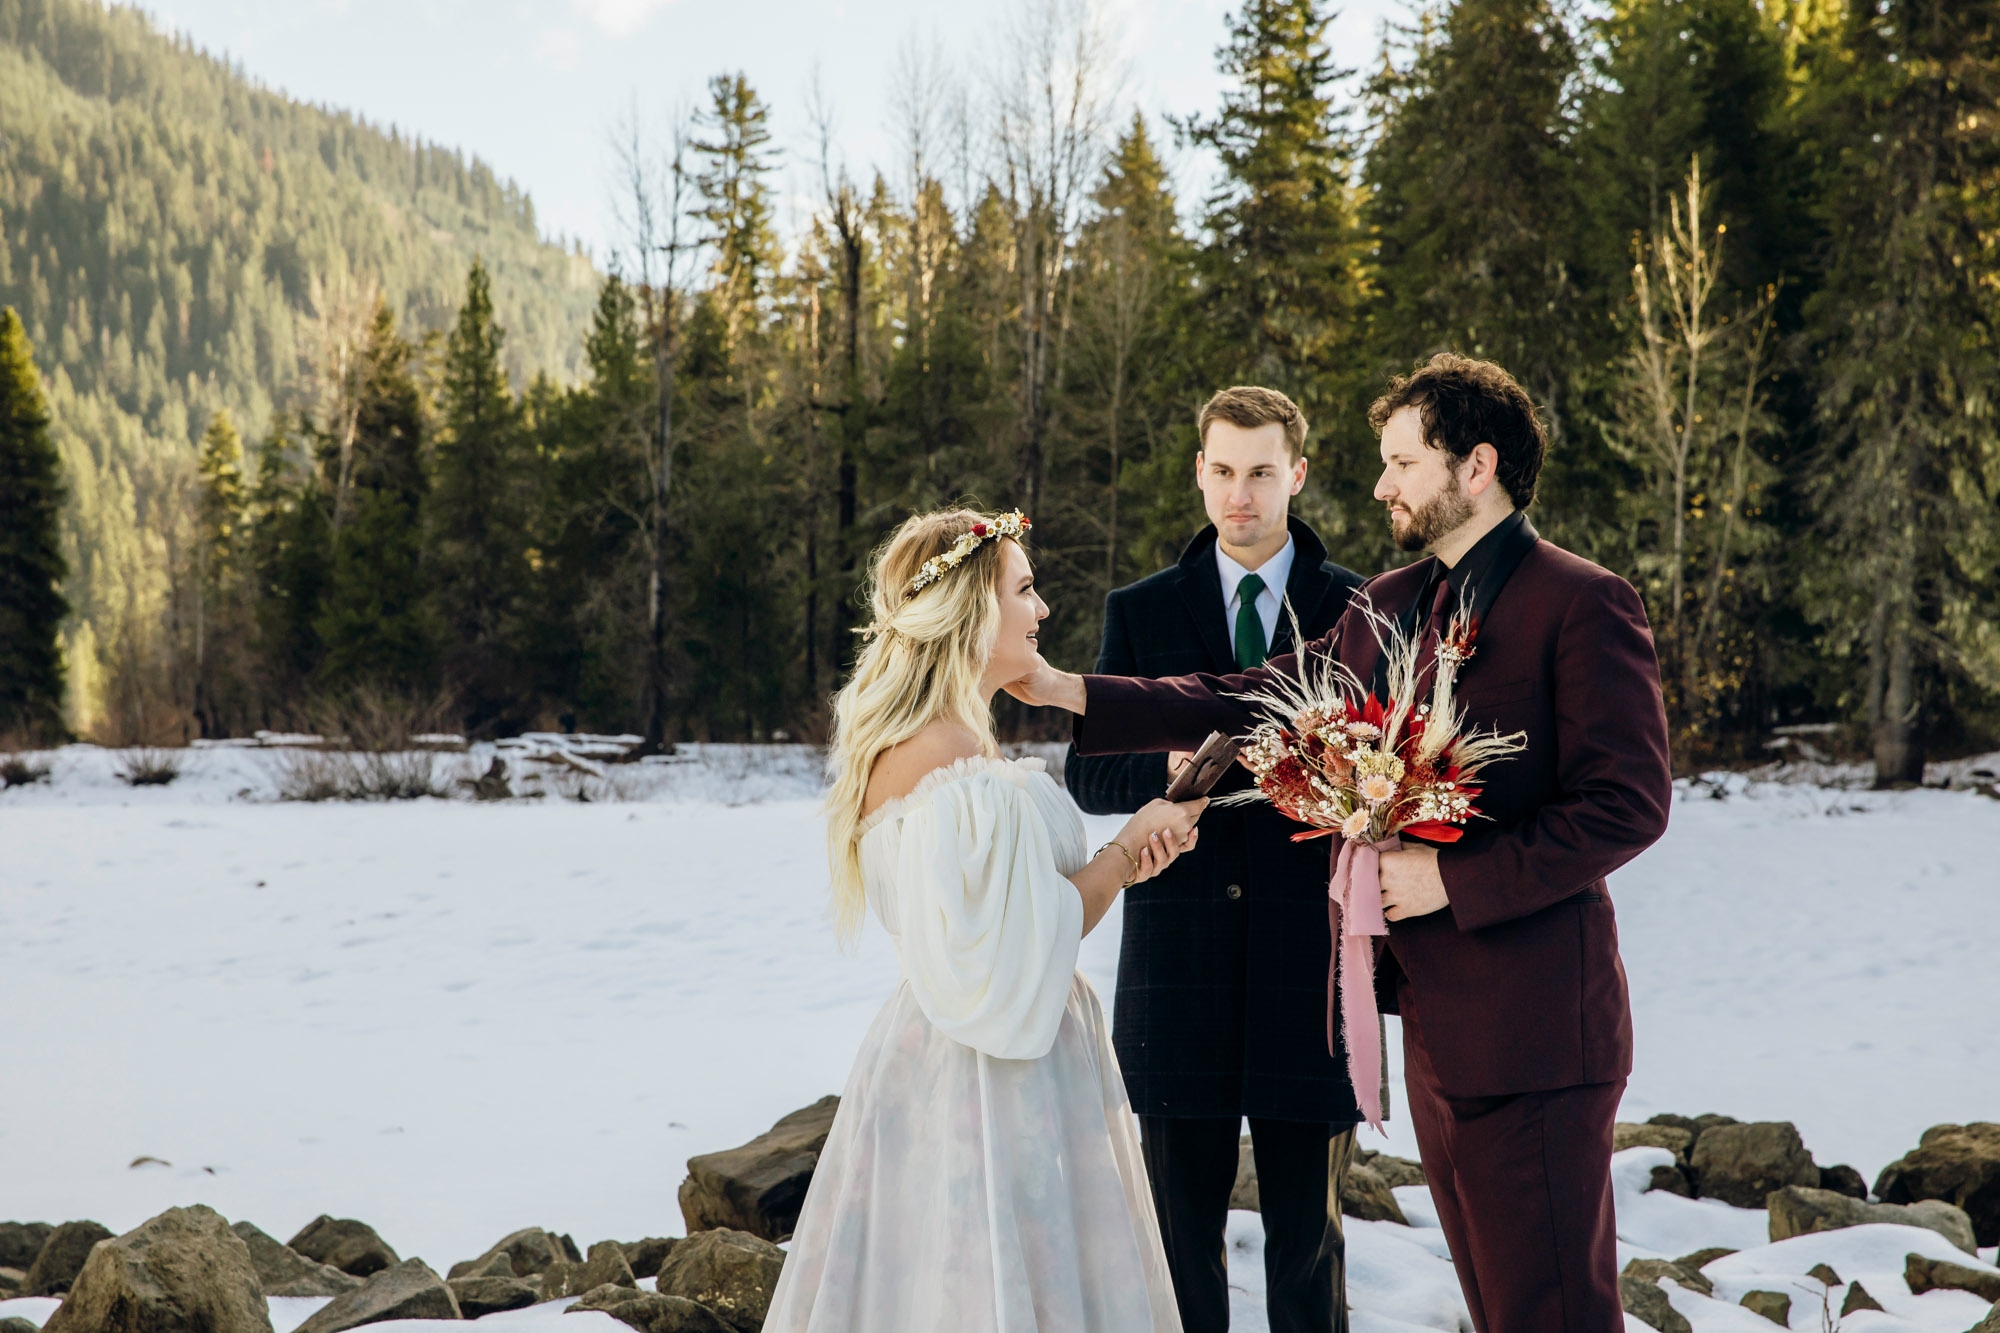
454, 1019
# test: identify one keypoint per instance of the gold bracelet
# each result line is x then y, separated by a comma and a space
1128, 856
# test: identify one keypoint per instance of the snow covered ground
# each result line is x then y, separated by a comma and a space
453, 1019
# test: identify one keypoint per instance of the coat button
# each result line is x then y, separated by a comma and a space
1234, 891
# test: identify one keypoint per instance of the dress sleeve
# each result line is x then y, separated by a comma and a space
989, 928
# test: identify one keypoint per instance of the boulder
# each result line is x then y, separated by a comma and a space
351, 1246
1701, 1259
10, 1281
1671, 1180
1798, 1211
1396, 1172
1825, 1273
1990, 1324
760, 1186
605, 1266
650, 1311
1244, 1194
1774, 1306
13, 1323
1858, 1299
481, 1296
1645, 1302
731, 1272
529, 1250
1959, 1164
283, 1271
1671, 1137
1942, 1275
1652, 1270
61, 1258
647, 1255
1843, 1179
1742, 1164
1364, 1194
407, 1290
184, 1271
20, 1242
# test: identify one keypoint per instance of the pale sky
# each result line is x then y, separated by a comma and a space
536, 87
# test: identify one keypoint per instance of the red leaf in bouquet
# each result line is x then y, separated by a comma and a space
1432, 832
1372, 712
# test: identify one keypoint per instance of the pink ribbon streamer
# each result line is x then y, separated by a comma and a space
1354, 913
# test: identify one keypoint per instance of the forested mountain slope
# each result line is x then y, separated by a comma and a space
178, 240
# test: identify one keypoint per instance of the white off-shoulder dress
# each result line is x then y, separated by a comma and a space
983, 1173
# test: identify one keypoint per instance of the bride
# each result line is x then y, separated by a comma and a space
983, 1173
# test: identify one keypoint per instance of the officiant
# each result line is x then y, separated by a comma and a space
1222, 975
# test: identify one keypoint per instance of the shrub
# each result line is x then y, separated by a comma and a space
150, 766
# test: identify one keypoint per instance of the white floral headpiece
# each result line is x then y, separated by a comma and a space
935, 568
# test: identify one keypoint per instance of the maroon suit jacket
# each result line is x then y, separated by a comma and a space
1516, 986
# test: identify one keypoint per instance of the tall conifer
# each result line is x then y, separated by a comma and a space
32, 568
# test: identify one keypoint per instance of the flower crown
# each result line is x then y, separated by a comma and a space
935, 568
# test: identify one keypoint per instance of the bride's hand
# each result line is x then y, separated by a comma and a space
1162, 830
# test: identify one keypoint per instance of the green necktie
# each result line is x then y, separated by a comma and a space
1250, 645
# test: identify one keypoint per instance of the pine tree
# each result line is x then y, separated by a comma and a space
737, 160
291, 555
479, 515
32, 606
1907, 480
374, 622
221, 538
1282, 268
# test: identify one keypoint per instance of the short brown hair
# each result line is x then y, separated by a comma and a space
1249, 406
1465, 403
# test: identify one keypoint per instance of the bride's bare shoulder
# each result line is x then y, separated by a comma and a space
901, 767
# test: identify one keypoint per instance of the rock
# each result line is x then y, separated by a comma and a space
1942, 1275
1670, 1180
1652, 1270
1959, 1164
1701, 1259
529, 1250
20, 1242
1843, 1179
1798, 1211
1671, 1137
1364, 1194
184, 1271
1990, 1324
651, 1311
61, 1258
759, 1187
1244, 1193
351, 1246
646, 1255
606, 1265
283, 1271
1645, 1302
1742, 1164
1858, 1299
407, 1290
1825, 1273
731, 1272
1772, 1305
480, 1296
16, 1324
10, 1281
1396, 1172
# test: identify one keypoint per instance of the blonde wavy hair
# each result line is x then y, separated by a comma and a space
923, 660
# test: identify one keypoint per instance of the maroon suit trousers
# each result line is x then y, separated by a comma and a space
1522, 1185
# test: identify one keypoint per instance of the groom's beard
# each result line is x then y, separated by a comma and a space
1444, 514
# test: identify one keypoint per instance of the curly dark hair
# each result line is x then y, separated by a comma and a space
1464, 403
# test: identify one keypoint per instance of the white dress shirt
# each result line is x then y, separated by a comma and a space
1275, 572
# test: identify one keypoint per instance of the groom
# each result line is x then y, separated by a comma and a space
1502, 955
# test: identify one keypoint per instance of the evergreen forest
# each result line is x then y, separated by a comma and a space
333, 421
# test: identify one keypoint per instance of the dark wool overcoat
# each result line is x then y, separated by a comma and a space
1221, 1001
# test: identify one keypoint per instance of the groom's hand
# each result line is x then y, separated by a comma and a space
1046, 687
1411, 885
